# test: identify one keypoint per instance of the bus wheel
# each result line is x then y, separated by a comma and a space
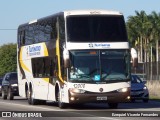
4, 97
10, 94
113, 105
60, 104
30, 98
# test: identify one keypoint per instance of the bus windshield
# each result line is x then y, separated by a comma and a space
95, 28
99, 66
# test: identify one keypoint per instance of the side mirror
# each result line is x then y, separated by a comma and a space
66, 63
66, 58
134, 62
144, 81
134, 57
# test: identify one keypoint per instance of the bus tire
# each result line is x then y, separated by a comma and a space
60, 103
10, 94
4, 96
30, 98
41, 102
113, 105
33, 101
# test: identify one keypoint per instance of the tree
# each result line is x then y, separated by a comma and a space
155, 20
140, 29
8, 58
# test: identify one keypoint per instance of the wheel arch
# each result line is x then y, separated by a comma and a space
57, 88
26, 89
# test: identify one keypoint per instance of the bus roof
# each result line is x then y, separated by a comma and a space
76, 12
91, 12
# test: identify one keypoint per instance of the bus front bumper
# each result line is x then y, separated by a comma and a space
99, 97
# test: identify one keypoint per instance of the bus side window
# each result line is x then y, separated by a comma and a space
48, 66
19, 39
22, 37
55, 66
53, 33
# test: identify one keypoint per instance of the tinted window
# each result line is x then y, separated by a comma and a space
0, 81
42, 67
96, 28
136, 79
99, 65
38, 33
42, 31
13, 76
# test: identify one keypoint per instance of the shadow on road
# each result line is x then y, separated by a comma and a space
94, 106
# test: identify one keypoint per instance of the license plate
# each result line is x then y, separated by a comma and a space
101, 98
136, 93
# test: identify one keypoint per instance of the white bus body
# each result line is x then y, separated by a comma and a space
51, 49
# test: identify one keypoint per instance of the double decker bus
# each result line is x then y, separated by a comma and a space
72, 57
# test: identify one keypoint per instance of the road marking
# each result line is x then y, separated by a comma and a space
31, 106
48, 109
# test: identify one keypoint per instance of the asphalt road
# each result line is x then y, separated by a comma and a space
19, 108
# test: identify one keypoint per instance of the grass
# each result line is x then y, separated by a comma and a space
155, 98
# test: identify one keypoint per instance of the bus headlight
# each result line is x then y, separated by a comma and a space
123, 90
74, 90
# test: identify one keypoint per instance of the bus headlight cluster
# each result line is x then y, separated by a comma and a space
123, 90
74, 90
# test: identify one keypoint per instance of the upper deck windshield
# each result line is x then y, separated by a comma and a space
99, 66
97, 28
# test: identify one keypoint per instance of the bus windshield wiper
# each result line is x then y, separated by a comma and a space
83, 76
116, 78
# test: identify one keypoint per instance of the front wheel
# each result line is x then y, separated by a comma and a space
113, 105
4, 96
60, 103
10, 94
30, 98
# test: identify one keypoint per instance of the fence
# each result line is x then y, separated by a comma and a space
150, 70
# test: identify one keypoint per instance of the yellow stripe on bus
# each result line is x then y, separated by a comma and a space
45, 50
58, 54
46, 79
22, 63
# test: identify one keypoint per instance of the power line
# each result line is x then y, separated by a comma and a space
8, 29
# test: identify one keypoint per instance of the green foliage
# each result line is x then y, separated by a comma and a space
144, 34
8, 58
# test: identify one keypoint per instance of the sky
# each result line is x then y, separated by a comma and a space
16, 12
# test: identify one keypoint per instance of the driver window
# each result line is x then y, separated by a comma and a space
7, 78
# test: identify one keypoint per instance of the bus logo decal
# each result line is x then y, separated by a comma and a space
96, 45
97, 77
101, 89
91, 45
102, 45
34, 50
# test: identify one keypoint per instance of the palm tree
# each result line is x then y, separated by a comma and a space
155, 20
144, 35
138, 26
